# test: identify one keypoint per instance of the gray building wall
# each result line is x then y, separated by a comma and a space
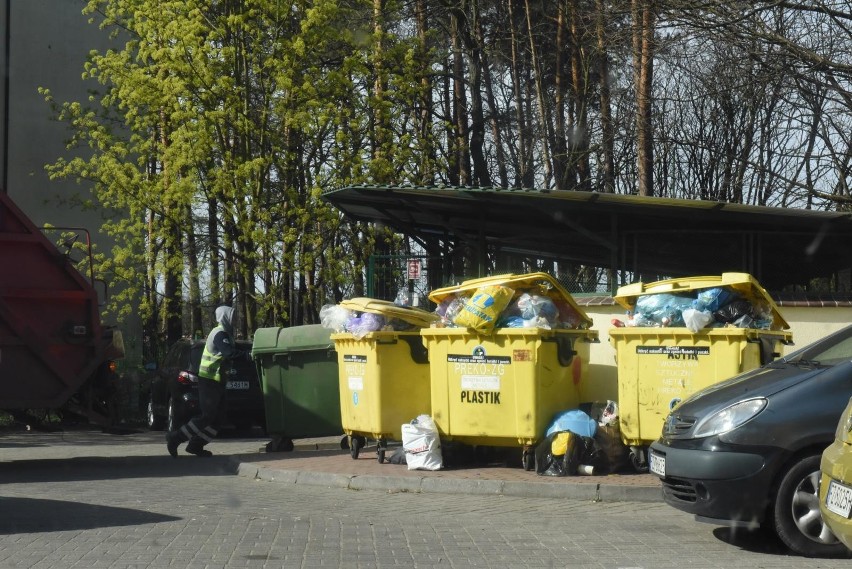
45, 44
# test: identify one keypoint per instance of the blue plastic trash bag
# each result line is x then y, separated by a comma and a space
663, 309
576, 421
712, 299
532, 306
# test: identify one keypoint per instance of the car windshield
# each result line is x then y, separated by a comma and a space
195, 357
832, 350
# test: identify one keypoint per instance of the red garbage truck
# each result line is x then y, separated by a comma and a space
55, 353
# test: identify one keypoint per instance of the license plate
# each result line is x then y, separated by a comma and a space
838, 499
657, 464
237, 385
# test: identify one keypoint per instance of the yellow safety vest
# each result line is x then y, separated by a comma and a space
210, 362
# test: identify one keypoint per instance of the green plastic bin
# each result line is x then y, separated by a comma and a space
299, 372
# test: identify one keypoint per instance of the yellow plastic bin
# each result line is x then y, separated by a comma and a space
660, 366
384, 375
503, 388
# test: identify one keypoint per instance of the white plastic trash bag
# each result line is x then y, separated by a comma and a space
695, 319
422, 444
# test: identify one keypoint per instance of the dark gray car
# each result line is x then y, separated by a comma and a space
746, 452
173, 395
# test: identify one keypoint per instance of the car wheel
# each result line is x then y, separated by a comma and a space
797, 518
155, 422
173, 418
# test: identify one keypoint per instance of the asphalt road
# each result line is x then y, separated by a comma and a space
87, 500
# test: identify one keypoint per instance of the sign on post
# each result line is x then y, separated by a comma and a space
413, 269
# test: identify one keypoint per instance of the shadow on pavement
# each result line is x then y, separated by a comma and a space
32, 515
111, 468
756, 541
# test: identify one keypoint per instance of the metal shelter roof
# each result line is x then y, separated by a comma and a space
663, 236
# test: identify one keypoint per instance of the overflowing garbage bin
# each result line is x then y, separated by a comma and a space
383, 370
299, 373
513, 351
682, 335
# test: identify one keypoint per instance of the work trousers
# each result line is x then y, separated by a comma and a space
202, 429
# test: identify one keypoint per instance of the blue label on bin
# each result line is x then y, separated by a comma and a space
354, 397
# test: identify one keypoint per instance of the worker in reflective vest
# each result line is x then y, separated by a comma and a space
211, 389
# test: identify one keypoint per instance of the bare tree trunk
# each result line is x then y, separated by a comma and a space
153, 316
427, 156
607, 132
643, 68
579, 136
380, 126
544, 115
481, 176
560, 150
196, 325
449, 130
215, 250
172, 291
524, 172
494, 113
461, 150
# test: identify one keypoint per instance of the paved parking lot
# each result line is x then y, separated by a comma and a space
85, 499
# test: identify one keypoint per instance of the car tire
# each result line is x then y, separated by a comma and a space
796, 516
174, 416
155, 422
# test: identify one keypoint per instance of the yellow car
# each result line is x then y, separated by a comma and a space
835, 489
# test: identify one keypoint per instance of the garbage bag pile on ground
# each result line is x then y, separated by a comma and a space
502, 306
578, 442
704, 308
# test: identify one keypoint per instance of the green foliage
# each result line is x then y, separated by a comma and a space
212, 128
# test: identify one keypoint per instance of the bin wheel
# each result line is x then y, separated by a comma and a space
344, 442
637, 459
355, 445
280, 444
528, 459
380, 452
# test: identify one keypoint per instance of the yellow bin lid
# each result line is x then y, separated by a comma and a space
545, 283
742, 283
409, 314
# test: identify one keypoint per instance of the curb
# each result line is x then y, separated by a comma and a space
393, 484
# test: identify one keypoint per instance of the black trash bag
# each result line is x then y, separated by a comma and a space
611, 455
561, 453
733, 311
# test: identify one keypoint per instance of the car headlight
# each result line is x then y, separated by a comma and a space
730, 417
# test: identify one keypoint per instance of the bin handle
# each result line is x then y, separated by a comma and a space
564, 349
767, 348
419, 353
282, 356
